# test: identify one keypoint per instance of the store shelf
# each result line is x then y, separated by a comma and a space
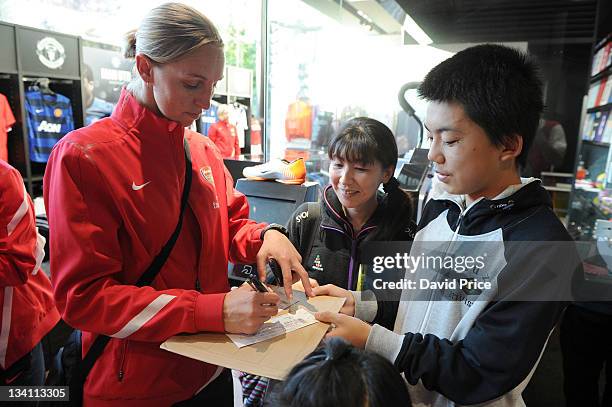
600, 108
557, 174
557, 189
37, 178
588, 189
596, 143
601, 74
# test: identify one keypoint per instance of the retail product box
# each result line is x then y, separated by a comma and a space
272, 358
600, 91
607, 132
607, 93
599, 131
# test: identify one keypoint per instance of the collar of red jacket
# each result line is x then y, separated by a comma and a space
132, 114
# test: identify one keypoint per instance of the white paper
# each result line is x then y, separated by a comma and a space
276, 326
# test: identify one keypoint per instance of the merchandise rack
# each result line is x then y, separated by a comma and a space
20, 66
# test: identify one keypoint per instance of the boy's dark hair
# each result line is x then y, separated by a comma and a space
498, 87
337, 375
367, 141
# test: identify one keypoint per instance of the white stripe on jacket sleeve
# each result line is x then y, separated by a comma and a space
21, 212
39, 251
144, 316
7, 311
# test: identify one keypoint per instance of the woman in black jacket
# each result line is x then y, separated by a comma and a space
329, 234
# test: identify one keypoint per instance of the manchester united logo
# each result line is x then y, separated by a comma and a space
50, 53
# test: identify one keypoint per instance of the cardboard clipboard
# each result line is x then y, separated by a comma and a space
272, 358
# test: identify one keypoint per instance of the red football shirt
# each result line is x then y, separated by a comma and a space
6, 121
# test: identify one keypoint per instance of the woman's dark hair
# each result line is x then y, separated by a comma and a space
337, 375
367, 141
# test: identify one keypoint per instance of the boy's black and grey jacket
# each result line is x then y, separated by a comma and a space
481, 351
329, 246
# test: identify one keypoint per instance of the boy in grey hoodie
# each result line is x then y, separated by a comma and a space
485, 103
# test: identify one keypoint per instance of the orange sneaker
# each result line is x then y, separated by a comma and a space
293, 172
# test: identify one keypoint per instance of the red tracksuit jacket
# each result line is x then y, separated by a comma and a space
26, 300
112, 192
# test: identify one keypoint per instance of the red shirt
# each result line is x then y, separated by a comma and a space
28, 311
255, 132
6, 121
113, 191
225, 138
298, 123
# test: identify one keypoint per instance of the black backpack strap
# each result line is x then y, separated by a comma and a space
96, 349
149, 275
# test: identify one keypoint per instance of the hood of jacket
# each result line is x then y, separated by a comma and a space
515, 201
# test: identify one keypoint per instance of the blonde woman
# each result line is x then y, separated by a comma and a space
113, 194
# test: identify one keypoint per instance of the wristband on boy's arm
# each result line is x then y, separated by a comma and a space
384, 342
366, 305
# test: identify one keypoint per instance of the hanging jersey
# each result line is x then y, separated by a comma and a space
6, 121
49, 118
238, 117
298, 123
255, 132
208, 118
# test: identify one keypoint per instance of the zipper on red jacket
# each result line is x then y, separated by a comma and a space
197, 284
123, 353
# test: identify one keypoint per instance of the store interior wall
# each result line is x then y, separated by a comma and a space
564, 68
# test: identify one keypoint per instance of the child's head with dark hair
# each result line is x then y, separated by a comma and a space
485, 104
337, 375
363, 156
498, 88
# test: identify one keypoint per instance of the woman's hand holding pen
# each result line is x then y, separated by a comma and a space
245, 310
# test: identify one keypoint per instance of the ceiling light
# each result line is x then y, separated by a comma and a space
412, 29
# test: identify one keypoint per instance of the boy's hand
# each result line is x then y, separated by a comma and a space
352, 329
334, 291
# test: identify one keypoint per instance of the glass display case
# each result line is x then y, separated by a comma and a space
590, 212
592, 192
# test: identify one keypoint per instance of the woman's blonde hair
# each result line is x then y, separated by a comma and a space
169, 32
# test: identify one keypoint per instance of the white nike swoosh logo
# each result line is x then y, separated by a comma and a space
40, 110
139, 187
